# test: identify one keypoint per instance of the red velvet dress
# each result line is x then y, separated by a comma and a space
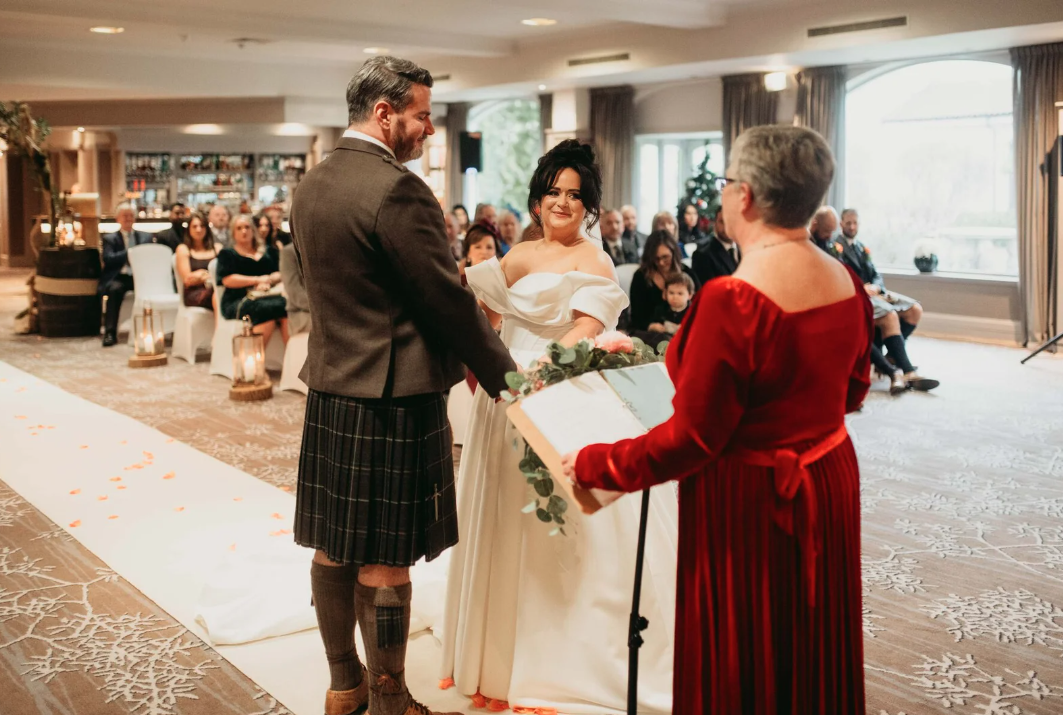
768, 613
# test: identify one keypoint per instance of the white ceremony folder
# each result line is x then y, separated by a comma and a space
598, 407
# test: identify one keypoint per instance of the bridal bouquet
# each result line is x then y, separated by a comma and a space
610, 351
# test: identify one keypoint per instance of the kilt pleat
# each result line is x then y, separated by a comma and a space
376, 479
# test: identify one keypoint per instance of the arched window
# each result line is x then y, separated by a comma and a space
511, 147
930, 165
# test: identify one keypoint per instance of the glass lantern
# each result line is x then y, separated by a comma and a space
149, 339
249, 358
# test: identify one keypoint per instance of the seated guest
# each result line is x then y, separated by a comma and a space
193, 257
276, 217
219, 219
631, 231
660, 260
822, 229
480, 244
298, 304
664, 221
509, 231
462, 215
620, 249
689, 228
265, 234
532, 232
116, 279
896, 315
678, 290
719, 256
485, 212
246, 267
450, 221
175, 235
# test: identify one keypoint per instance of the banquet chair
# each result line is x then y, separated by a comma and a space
152, 265
221, 345
193, 326
624, 274
294, 357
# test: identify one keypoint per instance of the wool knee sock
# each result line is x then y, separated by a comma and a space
895, 346
880, 362
333, 591
384, 617
906, 329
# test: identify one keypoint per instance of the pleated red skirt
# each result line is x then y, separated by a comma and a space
748, 640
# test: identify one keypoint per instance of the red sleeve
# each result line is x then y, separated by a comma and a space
860, 377
711, 369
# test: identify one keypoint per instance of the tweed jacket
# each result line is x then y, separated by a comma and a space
390, 317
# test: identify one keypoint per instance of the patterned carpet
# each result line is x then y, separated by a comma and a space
963, 541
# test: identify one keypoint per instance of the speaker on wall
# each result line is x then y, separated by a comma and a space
471, 151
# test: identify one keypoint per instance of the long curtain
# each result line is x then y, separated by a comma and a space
613, 131
546, 116
1038, 86
746, 103
821, 106
456, 122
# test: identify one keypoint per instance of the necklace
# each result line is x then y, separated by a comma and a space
765, 246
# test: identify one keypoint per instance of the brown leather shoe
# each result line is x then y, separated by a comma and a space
348, 702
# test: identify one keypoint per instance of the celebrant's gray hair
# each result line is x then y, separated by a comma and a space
788, 170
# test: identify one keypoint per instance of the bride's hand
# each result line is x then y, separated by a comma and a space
568, 467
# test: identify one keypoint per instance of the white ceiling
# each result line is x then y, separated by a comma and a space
186, 48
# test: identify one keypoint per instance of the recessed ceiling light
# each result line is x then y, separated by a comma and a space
542, 87
81, 129
539, 22
106, 30
376, 50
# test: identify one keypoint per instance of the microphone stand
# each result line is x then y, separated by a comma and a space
637, 623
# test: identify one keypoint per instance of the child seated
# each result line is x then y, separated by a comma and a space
678, 288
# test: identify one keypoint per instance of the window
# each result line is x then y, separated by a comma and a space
930, 165
664, 163
511, 146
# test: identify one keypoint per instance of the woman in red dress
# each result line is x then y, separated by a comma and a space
766, 365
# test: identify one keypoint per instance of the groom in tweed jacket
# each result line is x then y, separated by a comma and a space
391, 328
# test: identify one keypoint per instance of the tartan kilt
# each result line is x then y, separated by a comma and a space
891, 303
376, 479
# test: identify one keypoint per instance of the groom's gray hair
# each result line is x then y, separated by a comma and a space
387, 79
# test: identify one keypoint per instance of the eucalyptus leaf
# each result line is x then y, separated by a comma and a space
514, 380
530, 507
568, 357
662, 347
544, 487
543, 516
558, 503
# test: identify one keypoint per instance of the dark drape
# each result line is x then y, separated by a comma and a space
746, 103
613, 131
821, 106
456, 122
1038, 86
546, 116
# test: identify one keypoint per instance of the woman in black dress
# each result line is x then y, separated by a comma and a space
193, 257
660, 259
248, 267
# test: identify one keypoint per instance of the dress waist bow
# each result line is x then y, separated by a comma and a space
793, 484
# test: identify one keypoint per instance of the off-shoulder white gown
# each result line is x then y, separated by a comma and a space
539, 620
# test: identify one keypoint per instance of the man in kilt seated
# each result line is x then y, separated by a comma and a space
391, 328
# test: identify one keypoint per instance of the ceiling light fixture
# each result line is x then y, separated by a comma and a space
204, 129
775, 81
107, 30
542, 87
81, 129
376, 50
538, 22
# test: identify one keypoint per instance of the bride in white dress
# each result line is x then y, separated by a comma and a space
535, 620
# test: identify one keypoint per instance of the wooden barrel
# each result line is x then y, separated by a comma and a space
66, 286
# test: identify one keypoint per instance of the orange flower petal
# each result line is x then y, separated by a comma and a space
232, 547
170, 441
102, 498
478, 700
121, 486
75, 524
84, 446
169, 475
497, 706
123, 442
20, 417
33, 434
276, 516
238, 498
178, 508
446, 683
148, 455
116, 479
113, 516
286, 488
75, 491
280, 532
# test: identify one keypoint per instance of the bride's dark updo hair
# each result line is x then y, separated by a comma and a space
569, 154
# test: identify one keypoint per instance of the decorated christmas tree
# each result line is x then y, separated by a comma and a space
701, 191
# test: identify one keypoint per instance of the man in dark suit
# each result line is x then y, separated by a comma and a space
175, 235
719, 256
631, 230
620, 249
116, 278
392, 326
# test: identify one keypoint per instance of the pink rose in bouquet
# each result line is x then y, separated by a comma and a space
615, 342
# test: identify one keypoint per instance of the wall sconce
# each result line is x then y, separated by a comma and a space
775, 81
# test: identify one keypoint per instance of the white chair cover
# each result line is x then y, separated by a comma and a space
193, 327
294, 356
152, 265
624, 273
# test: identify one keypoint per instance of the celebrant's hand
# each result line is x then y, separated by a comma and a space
568, 468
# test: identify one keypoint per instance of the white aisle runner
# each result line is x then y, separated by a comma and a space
166, 518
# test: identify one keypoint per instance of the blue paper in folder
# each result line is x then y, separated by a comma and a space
646, 390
